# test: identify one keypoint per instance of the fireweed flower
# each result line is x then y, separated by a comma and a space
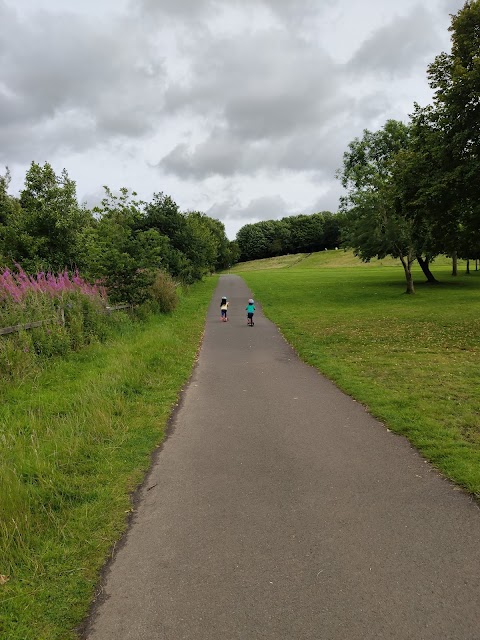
17, 286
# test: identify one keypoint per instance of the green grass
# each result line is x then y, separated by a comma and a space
281, 262
324, 259
411, 360
75, 442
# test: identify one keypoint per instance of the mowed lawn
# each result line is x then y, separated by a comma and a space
413, 361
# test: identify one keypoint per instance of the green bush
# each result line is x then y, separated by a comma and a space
164, 292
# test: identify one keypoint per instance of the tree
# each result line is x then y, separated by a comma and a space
9, 208
164, 215
411, 171
223, 256
204, 242
45, 230
123, 255
455, 79
306, 233
377, 223
332, 225
251, 242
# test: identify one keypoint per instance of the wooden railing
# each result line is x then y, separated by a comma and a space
28, 325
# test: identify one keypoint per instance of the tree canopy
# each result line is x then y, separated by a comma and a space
124, 242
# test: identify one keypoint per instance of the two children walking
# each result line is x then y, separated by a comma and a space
250, 309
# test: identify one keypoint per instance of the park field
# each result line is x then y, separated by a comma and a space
413, 361
76, 441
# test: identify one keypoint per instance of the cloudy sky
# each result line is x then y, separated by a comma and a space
238, 108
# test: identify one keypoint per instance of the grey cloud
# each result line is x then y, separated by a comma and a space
396, 48
104, 80
315, 146
328, 201
184, 8
264, 208
194, 9
265, 84
225, 154
217, 156
92, 199
452, 6
274, 99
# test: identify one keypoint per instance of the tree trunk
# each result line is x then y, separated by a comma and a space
424, 264
407, 267
454, 264
468, 267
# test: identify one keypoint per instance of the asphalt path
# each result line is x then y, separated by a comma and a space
278, 508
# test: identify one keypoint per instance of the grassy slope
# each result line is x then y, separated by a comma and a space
325, 259
413, 360
76, 442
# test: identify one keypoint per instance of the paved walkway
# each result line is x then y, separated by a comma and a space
281, 510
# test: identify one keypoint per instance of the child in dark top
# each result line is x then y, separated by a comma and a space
250, 309
224, 308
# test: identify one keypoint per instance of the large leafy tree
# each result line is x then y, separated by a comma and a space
44, 233
377, 222
123, 254
164, 216
332, 229
218, 248
455, 79
306, 233
252, 242
412, 170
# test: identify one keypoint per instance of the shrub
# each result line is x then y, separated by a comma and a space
164, 292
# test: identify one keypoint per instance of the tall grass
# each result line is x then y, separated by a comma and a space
73, 312
412, 360
75, 441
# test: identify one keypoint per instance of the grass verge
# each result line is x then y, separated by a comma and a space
412, 360
76, 441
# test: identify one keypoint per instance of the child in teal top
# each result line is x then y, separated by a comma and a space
250, 309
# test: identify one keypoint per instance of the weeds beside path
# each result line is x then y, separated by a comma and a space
75, 443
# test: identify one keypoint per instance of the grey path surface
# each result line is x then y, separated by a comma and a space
282, 510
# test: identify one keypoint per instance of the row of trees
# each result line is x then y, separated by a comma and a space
413, 190
294, 234
124, 242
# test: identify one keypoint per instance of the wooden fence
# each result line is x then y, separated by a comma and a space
60, 318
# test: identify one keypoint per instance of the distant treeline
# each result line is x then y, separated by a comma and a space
294, 234
124, 242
